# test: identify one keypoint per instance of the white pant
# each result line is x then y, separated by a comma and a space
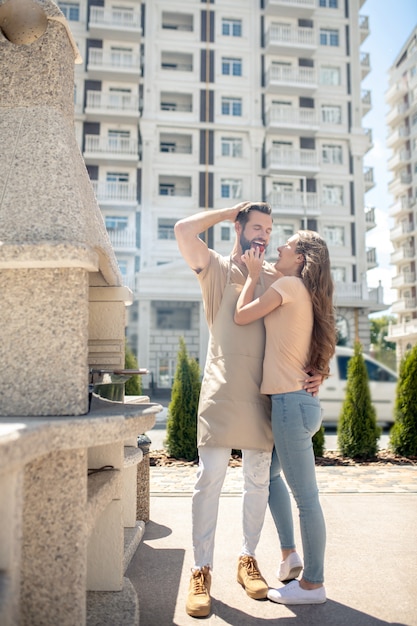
211, 472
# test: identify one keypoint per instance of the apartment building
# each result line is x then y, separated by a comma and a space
402, 140
187, 105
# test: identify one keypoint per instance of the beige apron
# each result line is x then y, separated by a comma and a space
232, 413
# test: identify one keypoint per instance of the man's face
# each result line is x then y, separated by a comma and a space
258, 228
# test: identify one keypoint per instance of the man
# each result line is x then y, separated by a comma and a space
232, 413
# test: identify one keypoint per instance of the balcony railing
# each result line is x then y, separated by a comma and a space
403, 229
284, 157
405, 278
365, 61
177, 190
366, 99
290, 36
371, 257
113, 60
124, 238
402, 254
114, 191
293, 202
289, 116
370, 217
359, 292
112, 102
405, 329
368, 176
111, 145
404, 304
284, 75
118, 18
363, 27
295, 5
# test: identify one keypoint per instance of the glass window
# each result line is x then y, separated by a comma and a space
333, 194
71, 10
331, 4
232, 106
334, 235
375, 372
117, 177
177, 318
166, 228
338, 274
329, 37
332, 154
231, 147
331, 114
225, 233
231, 67
231, 188
231, 27
116, 222
329, 75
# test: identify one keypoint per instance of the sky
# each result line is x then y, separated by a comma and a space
391, 22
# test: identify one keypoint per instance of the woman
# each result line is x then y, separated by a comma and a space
300, 331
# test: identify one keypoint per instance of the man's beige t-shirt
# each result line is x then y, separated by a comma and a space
288, 337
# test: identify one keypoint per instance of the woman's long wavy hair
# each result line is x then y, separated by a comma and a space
317, 277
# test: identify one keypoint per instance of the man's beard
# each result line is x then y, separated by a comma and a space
245, 244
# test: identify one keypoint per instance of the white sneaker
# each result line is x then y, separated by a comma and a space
290, 568
294, 594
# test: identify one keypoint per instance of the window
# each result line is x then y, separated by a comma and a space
117, 177
231, 67
329, 37
333, 194
331, 114
334, 235
231, 147
166, 189
225, 233
231, 188
331, 4
329, 75
172, 317
231, 28
338, 274
116, 222
166, 228
376, 372
332, 154
71, 10
232, 106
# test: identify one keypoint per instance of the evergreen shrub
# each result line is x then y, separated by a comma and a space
357, 431
181, 441
318, 442
133, 386
403, 436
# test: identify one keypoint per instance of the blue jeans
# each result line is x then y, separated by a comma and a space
296, 417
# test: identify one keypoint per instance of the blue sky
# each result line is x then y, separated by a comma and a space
391, 22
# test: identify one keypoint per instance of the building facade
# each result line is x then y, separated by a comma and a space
402, 140
188, 105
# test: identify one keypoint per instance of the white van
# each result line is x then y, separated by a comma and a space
382, 384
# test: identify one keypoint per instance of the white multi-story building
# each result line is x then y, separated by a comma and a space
188, 105
402, 139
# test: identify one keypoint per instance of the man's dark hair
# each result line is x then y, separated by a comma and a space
243, 216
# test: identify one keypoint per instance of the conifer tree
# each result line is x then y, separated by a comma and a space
319, 441
357, 431
133, 386
403, 437
181, 441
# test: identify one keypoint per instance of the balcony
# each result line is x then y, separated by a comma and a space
177, 22
111, 106
405, 253
288, 119
368, 133
406, 329
400, 183
396, 91
356, 294
284, 8
404, 279
174, 186
402, 231
288, 39
289, 160
371, 260
402, 206
294, 203
405, 305
396, 113
170, 143
114, 23
363, 27
365, 63
114, 65
397, 136
399, 159
366, 99
370, 218
368, 177
103, 149
114, 192
295, 80
123, 239
176, 62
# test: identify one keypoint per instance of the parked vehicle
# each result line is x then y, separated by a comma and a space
382, 384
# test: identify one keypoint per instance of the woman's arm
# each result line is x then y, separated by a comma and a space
249, 309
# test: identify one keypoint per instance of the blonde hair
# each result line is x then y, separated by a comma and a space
317, 278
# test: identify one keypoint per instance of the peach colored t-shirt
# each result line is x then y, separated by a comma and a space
288, 336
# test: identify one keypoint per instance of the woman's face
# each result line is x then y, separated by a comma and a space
289, 260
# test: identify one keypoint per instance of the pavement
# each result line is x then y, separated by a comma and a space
371, 554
